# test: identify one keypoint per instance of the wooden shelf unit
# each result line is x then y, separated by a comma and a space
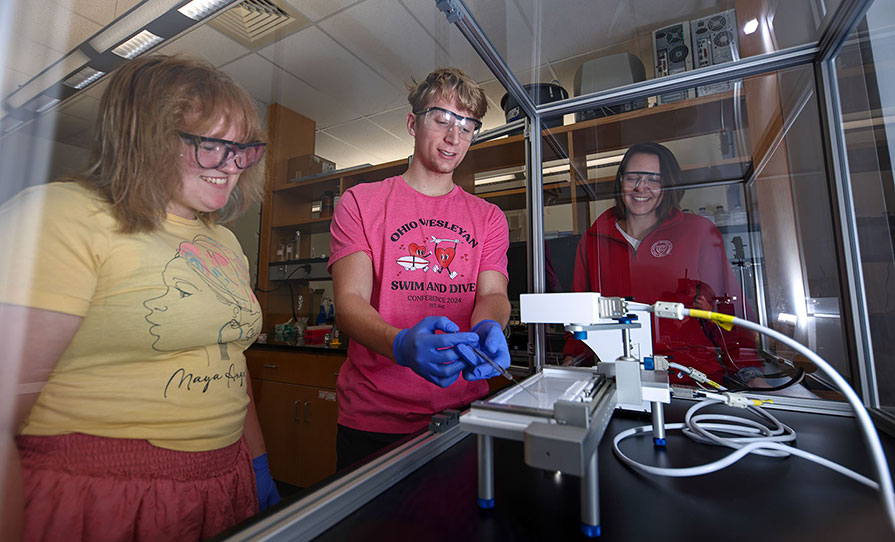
288, 208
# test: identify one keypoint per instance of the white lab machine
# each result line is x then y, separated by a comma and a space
561, 413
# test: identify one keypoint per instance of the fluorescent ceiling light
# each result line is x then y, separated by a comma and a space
199, 9
11, 124
47, 78
495, 179
83, 78
47, 103
606, 160
131, 23
750, 26
40, 103
137, 45
556, 169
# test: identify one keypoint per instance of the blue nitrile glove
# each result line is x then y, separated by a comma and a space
491, 342
267, 490
432, 355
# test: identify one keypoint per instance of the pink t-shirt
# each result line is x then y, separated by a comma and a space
427, 253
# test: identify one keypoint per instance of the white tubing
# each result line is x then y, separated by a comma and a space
864, 423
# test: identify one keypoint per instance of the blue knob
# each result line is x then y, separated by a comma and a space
591, 531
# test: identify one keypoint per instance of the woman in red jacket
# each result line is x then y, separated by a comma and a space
646, 248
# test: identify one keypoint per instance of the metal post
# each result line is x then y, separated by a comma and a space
626, 343
486, 471
658, 411
838, 171
590, 499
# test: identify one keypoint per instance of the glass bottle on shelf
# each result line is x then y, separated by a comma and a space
326, 203
281, 251
290, 250
297, 242
738, 216
722, 217
704, 213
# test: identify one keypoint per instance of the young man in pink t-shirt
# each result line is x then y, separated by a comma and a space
420, 276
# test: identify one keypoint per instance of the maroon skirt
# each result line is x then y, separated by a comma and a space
82, 487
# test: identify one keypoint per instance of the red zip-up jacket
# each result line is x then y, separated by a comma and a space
681, 259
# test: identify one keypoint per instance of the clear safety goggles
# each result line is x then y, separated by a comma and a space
633, 179
444, 121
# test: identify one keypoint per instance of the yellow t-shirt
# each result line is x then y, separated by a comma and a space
166, 318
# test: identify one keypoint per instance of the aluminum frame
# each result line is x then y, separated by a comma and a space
323, 508
821, 54
312, 514
838, 172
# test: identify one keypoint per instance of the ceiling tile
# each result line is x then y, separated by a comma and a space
269, 84
101, 12
395, 122
318, 9
206, 42
364, 134
495, 116
593, 25
124, 5
31, 57
47, 23
71, 130
506, 28
368, 31
83, 106
11, 80
457, 51
325, 65
343, 154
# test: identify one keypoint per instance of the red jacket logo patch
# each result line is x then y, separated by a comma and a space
660, 249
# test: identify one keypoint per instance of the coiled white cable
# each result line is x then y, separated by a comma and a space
871, 438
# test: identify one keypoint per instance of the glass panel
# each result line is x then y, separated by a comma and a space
751, 164
587, 46
332, 92
867, 93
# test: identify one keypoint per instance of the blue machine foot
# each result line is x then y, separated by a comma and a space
486, 504
591, 531
658, 441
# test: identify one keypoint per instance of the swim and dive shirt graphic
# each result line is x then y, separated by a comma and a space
435, 258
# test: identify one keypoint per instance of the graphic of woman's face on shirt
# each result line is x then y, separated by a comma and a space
207, 299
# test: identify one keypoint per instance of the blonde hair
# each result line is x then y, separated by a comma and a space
448, 83
134, 161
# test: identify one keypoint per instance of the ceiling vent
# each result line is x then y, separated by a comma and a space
256, 23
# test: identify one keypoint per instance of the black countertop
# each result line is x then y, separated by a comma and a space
758, 498
308, 348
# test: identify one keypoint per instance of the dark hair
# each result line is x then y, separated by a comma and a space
671, 178
133, 161
449, 83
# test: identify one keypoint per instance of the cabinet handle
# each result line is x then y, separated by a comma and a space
295, 411
270, 366
305, 410
336, 375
